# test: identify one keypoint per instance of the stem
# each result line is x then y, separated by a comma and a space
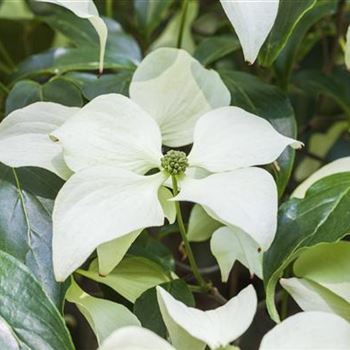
217, 296
284, 304
109, 8
7, 57
4, 88
340, 16
183, 233
182, 24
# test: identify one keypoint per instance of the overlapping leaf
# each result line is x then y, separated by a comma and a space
303, 223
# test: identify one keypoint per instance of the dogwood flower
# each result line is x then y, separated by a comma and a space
113, 142
190, 328
302, 331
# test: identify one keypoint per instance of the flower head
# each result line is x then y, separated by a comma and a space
114, 141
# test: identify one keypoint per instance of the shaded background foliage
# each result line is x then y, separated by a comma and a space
299, 84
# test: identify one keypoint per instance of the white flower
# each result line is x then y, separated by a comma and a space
113, 141
309, 331
302, 331
135, 338
190, 328
252, 21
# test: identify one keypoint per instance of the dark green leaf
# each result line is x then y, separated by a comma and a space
214, 48
286, 59
322, 216
93, 85
150, 13
269, 102
289, 14
30, 317
61, 60
147, 310
148, 247
82, 33
21, 38
336, 85
25, 222
59, 90
23, 94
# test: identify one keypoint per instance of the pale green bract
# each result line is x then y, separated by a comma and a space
104, 316
323, 282
113, 141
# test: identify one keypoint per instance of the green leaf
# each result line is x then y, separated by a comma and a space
104, 316
320, 145
22, 94
148, 247
26, 200
288, 55
169, 36
30, 317
336, 85
147, 310
61, 60
130, 278
15, 10
328, 265
269, 102
59, 90
150, 13
93, 86
212, 49
20, 38
289, 14
325, 282
311, 296
83, 35
319, 217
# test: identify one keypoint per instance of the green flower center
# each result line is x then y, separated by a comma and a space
174, 162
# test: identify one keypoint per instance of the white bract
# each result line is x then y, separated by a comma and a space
87, 9
135, 338
252, 21
190, 328
113, 141
303, 331
309, 331
229, 244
